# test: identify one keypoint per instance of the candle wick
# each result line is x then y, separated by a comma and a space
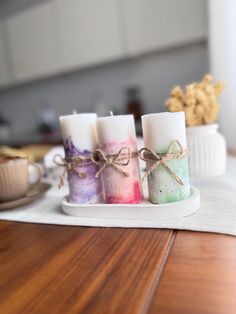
111, 113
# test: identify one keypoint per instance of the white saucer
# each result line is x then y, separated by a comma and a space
137, 212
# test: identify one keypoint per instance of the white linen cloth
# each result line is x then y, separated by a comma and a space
217, 212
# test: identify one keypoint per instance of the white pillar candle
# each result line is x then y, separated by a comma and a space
159, 130
79, 133
80, 139
116, 133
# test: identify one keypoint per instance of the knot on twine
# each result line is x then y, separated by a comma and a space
161, 159
71, 163
117, 161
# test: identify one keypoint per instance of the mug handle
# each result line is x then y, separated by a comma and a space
39, 171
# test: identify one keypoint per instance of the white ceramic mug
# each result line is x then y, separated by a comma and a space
14, 177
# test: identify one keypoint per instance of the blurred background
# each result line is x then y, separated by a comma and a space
60, 56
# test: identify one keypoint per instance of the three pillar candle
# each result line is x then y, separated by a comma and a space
103, 158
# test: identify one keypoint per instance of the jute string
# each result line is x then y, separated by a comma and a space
117, 161
161, 159
122, 159
71, 163
98, 158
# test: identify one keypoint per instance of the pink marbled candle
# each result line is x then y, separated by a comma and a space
115, 133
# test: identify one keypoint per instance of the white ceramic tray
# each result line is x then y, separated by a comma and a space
123, 212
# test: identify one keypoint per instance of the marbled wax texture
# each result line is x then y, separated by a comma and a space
118, 188
82, 190
163, 188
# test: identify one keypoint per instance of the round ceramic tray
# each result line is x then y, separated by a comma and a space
144, 210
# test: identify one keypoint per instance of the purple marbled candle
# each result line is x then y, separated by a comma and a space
79, 139
82, 190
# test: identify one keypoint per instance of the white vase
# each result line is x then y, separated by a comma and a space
207, 151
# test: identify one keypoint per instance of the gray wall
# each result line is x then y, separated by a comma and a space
9, 7
156, 74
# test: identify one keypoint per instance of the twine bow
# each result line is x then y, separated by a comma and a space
71, 163
117, 161
157, 159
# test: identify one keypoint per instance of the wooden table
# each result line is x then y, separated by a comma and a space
57, 269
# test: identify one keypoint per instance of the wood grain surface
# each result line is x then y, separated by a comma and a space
60, 269
57, 269
199, 276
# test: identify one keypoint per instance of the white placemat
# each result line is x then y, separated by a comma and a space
217, 212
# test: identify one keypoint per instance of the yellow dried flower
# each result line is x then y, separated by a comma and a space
174, 104
190, 90
198, 101
190, 101
218, 87
201, 96
207, 79
177, 92
199, 110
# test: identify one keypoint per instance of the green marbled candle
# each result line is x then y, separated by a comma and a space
159, 131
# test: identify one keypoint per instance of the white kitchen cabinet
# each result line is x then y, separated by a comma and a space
157, 24
33, 42
90, 31
4, 75
56, 36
